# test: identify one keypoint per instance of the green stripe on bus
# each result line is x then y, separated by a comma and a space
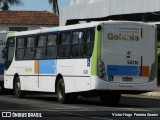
96, 51
9, 35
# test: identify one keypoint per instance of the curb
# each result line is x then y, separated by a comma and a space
156, 94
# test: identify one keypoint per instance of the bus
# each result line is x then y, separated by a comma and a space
104, 59
3, 35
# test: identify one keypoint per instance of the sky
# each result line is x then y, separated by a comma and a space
38, 5
41, 5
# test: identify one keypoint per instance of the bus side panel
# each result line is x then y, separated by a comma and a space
76, 74
8, 83
82, 75
66, 68
29, 83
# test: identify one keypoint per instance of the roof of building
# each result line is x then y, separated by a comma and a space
104, 8
28, 18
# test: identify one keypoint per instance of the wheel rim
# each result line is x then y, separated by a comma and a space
17, 88
60, 92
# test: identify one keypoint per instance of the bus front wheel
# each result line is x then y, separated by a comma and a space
63, 97
110, 98
17, 89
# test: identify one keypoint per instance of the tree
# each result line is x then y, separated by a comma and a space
4, 4
55, 7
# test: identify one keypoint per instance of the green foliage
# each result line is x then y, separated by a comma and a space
4, 4
55, 7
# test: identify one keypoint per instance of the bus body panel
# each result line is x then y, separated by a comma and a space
98, 84
133, 87
128, 53
81, 74
35, 77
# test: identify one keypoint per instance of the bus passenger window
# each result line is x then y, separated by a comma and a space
30, 49
64, 45
77, 44
41, 47
20, 48
51, 46
89, 43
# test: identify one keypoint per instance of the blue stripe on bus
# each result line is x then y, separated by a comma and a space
120, 70
47, 67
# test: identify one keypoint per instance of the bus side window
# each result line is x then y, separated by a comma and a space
77, 44
51, 46
30, 47
40, 47
10, 48
89, 42
64, 45
20, 48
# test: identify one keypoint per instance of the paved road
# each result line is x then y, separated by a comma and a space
84, 109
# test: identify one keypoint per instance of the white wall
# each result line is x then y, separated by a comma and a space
30, 27
104, 8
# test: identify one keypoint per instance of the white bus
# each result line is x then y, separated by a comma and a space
102, 59
3, 36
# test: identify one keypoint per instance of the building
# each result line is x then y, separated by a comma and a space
95, 10
26, 20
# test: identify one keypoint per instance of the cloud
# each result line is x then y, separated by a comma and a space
74, 2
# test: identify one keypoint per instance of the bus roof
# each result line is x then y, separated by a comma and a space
72, 27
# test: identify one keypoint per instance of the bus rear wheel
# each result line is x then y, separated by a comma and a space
63, 97
110, 98
17, 89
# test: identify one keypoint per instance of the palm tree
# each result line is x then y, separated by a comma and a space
6, 3
55, 7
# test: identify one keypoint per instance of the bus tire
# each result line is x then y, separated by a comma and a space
110, 98
63, 97
17, 89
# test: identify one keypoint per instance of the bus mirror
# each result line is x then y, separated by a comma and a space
3, 54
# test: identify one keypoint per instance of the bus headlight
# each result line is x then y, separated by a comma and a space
152, 72
101, 70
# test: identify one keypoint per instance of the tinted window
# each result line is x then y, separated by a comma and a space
30, 47
30, 41
41, 47
77, 44
89, 43
10, 41
65, 38
64, 45
20, 48
52, 40
52, 46
20, 42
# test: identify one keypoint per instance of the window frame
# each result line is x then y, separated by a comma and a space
17, 48
77, 44
51, 46
58, 47
39, 47
27, 36
91, 42
64, 45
